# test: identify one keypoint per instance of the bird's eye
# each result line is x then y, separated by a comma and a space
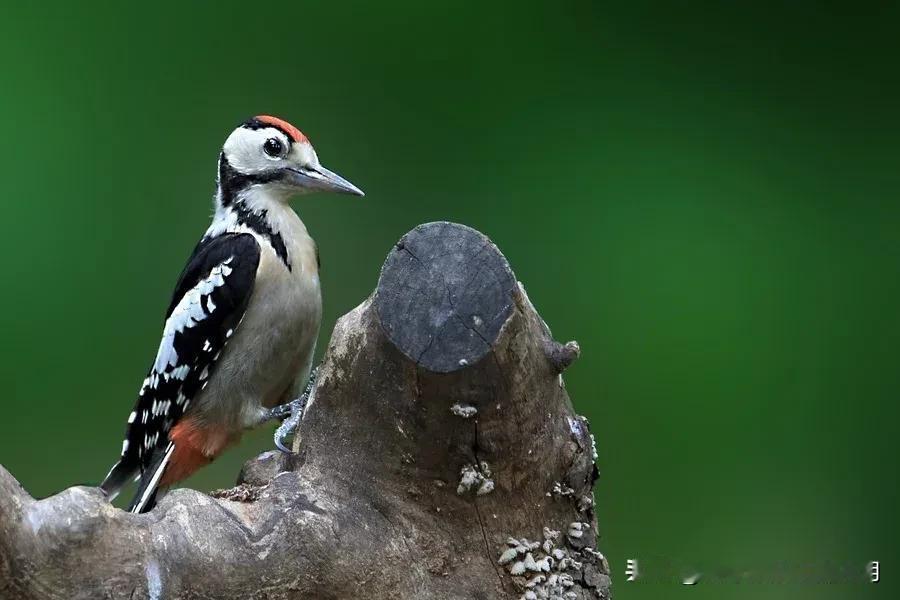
273, 147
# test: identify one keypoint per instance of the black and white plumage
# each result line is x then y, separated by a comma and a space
209, 301
241, 327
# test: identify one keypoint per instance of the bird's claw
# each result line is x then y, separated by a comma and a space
287, 428
294, 412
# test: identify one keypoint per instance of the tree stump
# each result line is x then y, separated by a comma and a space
439, 457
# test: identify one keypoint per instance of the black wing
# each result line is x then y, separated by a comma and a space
209, 302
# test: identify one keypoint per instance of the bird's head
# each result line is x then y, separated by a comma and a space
269, 152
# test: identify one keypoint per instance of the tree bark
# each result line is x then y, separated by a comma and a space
439, 457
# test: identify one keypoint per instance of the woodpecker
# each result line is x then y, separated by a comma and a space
240, 331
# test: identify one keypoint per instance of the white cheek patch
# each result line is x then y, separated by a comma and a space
244, 149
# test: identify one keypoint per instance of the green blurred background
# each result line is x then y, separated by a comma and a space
703, 195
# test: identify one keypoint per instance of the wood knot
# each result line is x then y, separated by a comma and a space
561, 355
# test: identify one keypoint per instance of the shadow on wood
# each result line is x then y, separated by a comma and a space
439, 457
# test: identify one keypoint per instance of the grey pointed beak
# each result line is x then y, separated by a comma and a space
321, 179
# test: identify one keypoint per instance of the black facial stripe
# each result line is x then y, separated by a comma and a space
256, 220
231, 184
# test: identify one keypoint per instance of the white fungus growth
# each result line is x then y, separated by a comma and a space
478, 478
463, 410
561, 490
586, 503
543, 571
591, 553
577, 529
508, 555
468, 477
550, 537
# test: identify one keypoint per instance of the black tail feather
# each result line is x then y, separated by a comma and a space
118, 476
145, 497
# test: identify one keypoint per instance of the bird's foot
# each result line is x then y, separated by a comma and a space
293, 411
289, 425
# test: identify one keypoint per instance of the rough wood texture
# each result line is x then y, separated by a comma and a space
439, 458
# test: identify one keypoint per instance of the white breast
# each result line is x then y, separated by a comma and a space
269, 357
